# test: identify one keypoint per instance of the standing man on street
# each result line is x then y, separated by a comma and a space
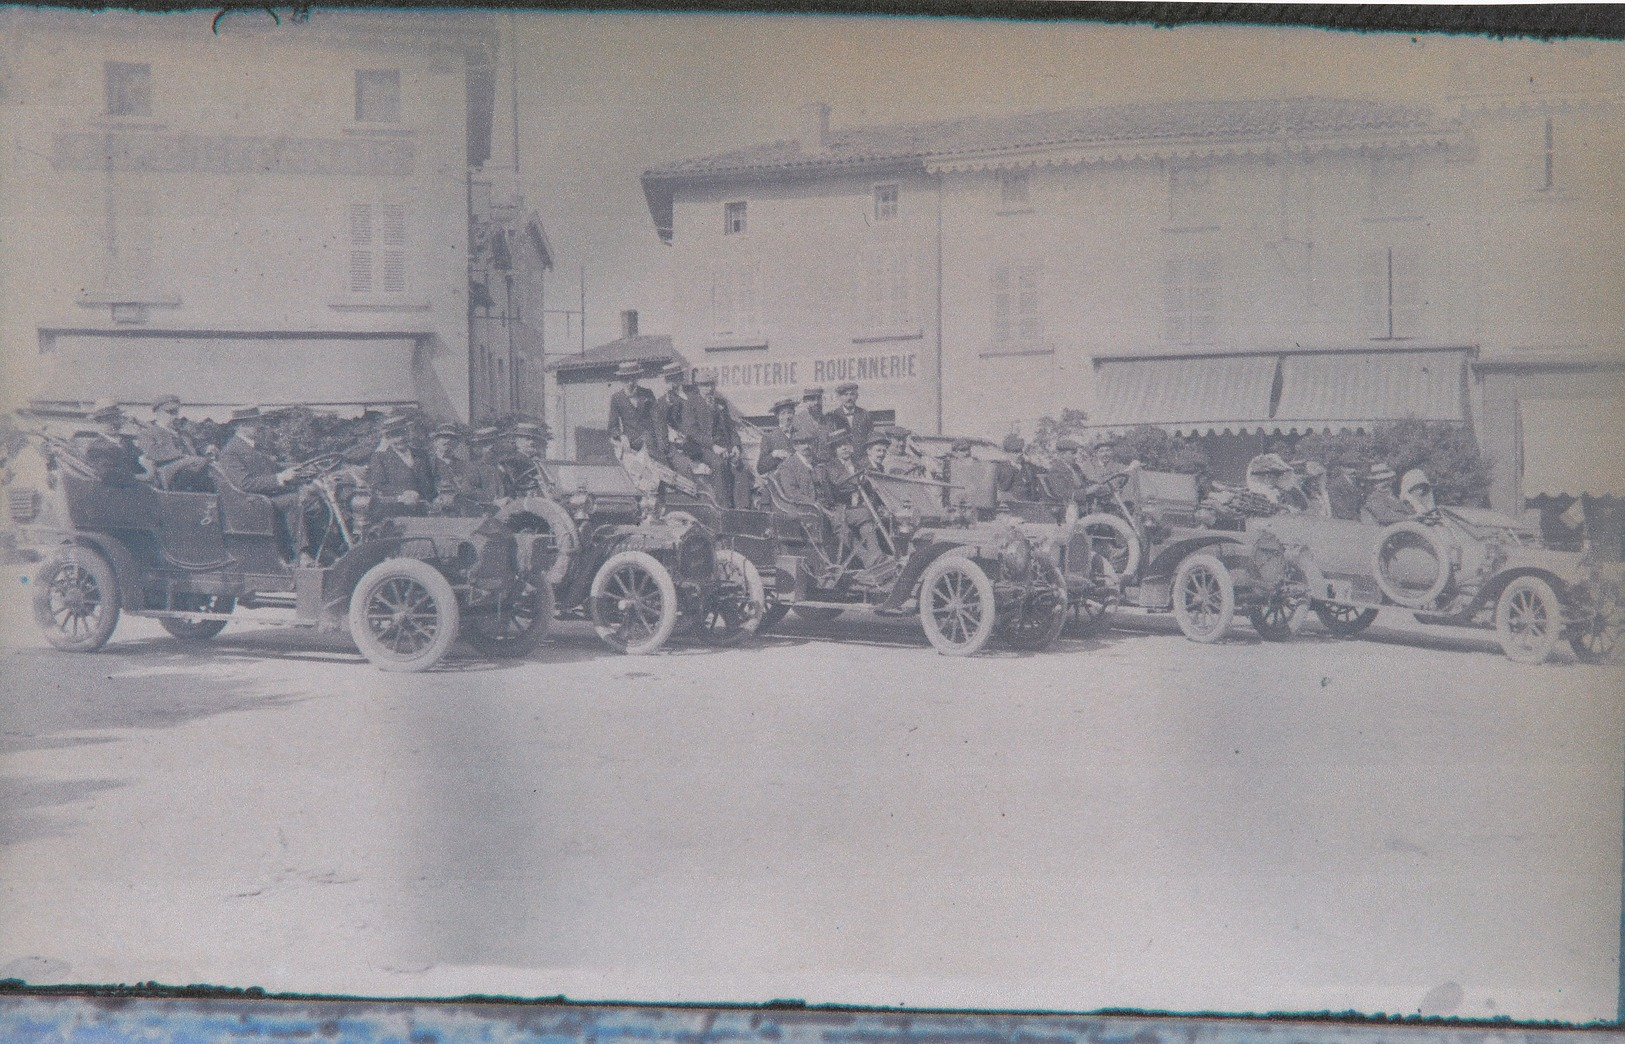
673, 448
631, 412
850, 420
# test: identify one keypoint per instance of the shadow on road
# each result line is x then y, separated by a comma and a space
27, 805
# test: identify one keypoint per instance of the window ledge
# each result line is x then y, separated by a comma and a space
1007, 211
379, 306
911, 333
1016, 350
143, 298
144, 123
1391, 219
737, 344
367, 130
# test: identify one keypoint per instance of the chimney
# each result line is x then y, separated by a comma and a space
629, 323
814, 126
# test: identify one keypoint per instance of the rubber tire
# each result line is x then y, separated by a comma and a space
1122, 531
1278, 629
979, 582
1543, 600
99, 571
755, 592
508, 645
1226, 610
1600, 641
429, 580
1441, 552
817, 613
199, 630
1343, 626
1042, 634
667, 591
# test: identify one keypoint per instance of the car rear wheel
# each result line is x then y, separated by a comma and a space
1204, 598
634, 603
1596, 639
1343, 621
1043, 613
736, 609
198, 630
1278, 622
956, 605
1528, 620
403, 615
772, 617
76, 599
517, 626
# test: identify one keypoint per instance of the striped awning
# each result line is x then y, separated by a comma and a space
1280, 392
1571, 446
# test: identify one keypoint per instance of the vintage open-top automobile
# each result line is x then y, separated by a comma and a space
639, 571
404, 587
967, 577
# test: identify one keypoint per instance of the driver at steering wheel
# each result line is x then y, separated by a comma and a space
252, 470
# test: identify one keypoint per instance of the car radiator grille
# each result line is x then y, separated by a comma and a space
24, 504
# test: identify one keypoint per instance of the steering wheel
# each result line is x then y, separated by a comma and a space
319, 465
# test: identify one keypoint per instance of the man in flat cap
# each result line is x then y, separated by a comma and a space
525, 474
631, 411
776, 446
171, 454
1017, 477
901, 458
1066, 479
811, 420
797, 475
247, 467
849, 420
708, 425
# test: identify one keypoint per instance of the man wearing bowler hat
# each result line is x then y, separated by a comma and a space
631, 412
397, 474
776, 447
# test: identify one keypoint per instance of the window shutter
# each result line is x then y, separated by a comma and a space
1028, 279
393, 244
1001, 306
361, 248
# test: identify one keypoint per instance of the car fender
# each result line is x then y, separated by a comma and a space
903, 589
1231, 548
342, 576
125, 568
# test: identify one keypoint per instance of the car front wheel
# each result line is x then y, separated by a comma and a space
956, 605
634, 603
1204, 598
76, 599
1528, 620
403, 615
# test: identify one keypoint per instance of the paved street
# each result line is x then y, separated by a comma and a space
1403, 823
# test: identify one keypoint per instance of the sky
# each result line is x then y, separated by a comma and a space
604, 97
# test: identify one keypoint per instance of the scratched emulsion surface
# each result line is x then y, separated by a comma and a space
1405, 824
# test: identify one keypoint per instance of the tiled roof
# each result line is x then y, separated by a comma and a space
1144, 122
654, 350
1141, 130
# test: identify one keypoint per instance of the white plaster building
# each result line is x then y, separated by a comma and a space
1232, 269
259, 208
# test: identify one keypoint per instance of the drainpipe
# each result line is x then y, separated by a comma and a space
939, 304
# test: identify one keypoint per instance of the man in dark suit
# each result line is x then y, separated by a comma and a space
776, 446
797, 476
395, 473
170, 453
631, 411
840, 482
109, 451
525, 474
489, 484
454, 479
671, 446
1017, 478
709, 425
250, 469
1066, 480
811, 420
849, 420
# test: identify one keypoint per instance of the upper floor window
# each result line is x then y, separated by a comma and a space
1395, 295
377, 248
1018, 320
1014, 189
129, 88
378, 95
885, 202
733, 219
887, 301
1190, 312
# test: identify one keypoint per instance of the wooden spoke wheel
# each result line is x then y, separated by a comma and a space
634, 603
198, 630
1528, 620
403, 615
516, 625
1041, 614
738, 606
1343, 621
1204, 598
76, 599
956, 605
1596, 639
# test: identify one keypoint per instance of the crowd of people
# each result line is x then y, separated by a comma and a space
692, 438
